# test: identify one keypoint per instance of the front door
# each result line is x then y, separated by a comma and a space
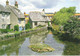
20, 28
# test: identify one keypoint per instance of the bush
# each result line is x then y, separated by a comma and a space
16, 28
73, 27
8, 27
27, 26
5, 30
40, 25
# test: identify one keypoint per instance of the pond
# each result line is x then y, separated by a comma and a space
21, 46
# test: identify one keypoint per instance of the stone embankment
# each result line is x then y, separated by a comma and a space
25, 33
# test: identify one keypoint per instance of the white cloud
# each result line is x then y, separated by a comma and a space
38, 5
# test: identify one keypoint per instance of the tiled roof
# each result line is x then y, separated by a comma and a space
3, 9
38, 16
16, 11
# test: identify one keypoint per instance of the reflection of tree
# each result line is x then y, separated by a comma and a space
12, 47
72, 49
38, 38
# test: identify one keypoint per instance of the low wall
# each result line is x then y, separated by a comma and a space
21, 34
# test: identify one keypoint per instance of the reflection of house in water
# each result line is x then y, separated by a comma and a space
38, 18
38, 38
11, 47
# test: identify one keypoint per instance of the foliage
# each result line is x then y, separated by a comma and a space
73, 27
27, 26
5, 30
16, 28
63, 15
40, 26
8, 27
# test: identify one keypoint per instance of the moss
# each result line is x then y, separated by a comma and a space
41, 48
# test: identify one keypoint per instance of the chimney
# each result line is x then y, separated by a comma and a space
43, 10
7, 2
24, 13
16, 4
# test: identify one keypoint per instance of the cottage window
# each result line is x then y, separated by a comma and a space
3, 14
19, 21
46, 22
7, 14
35, 23
3, 26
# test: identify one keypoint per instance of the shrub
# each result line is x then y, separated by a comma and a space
16, 28
4, 30
73, 27
8, 27
27, 26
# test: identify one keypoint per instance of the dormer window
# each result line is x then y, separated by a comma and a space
7, 14
3, 14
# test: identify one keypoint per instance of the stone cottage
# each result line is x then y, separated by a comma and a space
16, 16
4, 17
38, 18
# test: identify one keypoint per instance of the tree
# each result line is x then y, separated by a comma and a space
16, 28
27, 26
63, 15
73, 27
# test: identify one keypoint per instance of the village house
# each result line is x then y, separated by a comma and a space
4, 17
16, 16
38, 18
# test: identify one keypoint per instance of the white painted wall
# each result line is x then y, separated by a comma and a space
4, 20
39, 23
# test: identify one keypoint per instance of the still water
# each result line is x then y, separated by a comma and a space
20, 46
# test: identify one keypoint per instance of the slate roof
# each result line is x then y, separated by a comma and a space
3, 9
16, 11
38, 16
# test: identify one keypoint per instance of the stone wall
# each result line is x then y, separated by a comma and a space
22, 34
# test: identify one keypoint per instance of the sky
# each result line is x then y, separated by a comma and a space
50, 6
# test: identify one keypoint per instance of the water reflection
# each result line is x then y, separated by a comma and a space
20, 46
11, 47
38, 38
72, 49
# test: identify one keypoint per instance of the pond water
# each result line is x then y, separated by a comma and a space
20, 46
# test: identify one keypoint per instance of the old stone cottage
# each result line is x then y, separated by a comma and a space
16, 16
38, 18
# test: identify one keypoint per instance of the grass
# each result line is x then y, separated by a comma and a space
41, 48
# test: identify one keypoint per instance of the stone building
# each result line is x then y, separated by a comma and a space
4, 17
16, 16
38, 18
